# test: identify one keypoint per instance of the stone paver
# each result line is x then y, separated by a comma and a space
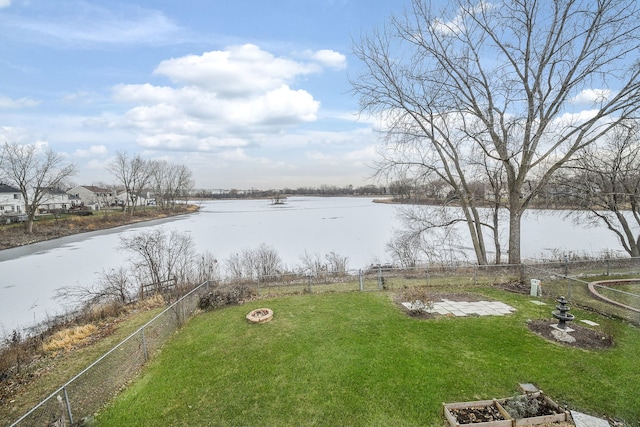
464, 308
589, 322
583, 420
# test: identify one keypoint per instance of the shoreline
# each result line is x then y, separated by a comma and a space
45, 230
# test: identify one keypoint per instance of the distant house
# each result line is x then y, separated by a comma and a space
11, 202
93, 197
56, 199
139, 198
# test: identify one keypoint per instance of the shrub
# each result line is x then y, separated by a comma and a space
418, 297
223, 296
521, 407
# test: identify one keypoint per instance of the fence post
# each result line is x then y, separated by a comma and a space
379, 277
66, 399
361, 280
426, 270
144, 347
475, 274
608, 266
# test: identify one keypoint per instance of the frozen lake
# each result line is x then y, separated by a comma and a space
352, 227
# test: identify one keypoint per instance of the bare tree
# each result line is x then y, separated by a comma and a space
504, 77
115, 285
263, 261
207, 267
34, 172
170, 182
312, 263
405, 249
184, 183
336, 263
160, 256
433, 234
253, 263
604, 183
133, 173
234, 266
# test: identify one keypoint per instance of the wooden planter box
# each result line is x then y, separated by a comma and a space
562, 415
453, 421
508, 421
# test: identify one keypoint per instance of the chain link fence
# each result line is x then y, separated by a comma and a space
87, 392
384, 277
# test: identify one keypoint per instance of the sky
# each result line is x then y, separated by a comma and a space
246, 93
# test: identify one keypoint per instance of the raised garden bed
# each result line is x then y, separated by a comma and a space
533, 409
523, 410
483, 413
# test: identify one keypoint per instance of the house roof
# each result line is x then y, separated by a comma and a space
4, 188
50, 190
95, 189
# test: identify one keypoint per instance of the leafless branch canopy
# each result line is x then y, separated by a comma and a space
525, 84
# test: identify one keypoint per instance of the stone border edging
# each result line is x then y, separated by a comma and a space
592, 289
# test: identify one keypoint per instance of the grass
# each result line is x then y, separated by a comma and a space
355, 359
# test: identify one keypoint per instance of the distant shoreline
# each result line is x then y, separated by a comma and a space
14, 236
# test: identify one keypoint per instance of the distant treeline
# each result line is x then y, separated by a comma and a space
323, 190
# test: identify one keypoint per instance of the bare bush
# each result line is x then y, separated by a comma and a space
336, 263
262, 261
312, 263
225, 295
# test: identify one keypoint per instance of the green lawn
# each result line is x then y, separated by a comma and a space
355, 359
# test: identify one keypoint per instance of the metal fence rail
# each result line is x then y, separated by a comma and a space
87, 392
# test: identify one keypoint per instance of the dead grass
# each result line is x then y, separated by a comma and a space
69, 338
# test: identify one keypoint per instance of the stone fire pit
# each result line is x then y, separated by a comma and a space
260, 315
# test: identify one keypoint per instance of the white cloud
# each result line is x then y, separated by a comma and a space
330, 58
93, 151
590, 96
237, 71
218, 100
5, 3
8, 103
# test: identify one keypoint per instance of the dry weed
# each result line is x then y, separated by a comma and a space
155, 301
68, 338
